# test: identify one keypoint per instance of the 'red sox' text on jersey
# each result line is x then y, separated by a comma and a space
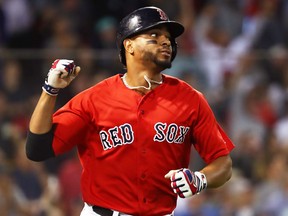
128, 142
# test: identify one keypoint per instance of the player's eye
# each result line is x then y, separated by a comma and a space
154, 35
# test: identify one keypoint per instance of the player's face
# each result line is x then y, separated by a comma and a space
154, 46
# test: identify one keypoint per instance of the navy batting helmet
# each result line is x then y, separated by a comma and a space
143, 19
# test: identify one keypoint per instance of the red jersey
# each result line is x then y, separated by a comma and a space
128, 142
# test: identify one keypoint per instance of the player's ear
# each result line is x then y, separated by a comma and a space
128, 45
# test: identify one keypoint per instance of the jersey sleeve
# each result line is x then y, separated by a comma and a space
209, 139
70, 126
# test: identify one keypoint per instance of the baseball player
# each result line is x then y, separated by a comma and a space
133, 131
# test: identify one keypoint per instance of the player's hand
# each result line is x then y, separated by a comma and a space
186, 183
60, 75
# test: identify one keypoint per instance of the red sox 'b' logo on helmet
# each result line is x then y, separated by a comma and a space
163, 16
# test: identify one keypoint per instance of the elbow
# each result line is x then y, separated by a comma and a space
218, 172
39, 146
229, 169
36, 154
33, 156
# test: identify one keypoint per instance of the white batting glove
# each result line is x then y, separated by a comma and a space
59, 76
186, 183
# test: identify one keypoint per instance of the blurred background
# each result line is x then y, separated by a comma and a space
234, 51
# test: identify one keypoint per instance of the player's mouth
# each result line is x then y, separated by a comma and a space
166, 52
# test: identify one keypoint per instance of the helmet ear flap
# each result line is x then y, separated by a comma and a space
174, 46
122, 57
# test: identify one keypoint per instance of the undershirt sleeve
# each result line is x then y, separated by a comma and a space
39, 146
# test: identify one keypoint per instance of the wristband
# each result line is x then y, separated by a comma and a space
50, 89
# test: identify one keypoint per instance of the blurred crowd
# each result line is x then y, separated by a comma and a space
234, 51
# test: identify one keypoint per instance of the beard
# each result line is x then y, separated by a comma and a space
162, 63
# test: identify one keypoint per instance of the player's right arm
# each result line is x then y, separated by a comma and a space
40, 134
41, 119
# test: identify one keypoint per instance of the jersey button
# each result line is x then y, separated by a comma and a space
142, 112
144, 200
143, 175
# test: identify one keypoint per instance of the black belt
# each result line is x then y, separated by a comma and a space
102, 211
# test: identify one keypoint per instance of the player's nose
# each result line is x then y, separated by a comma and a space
165, 40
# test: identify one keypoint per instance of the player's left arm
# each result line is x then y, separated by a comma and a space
218, 169
218, 172
186, 183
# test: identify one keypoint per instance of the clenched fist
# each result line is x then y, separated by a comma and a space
60, 75
186, 183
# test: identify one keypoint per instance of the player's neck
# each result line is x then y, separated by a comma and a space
142, 82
